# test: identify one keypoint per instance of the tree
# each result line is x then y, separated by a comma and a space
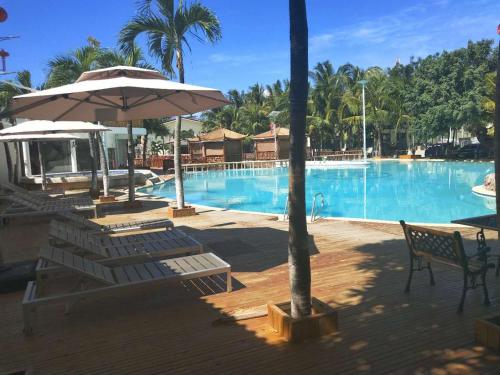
167, 29
156, 127
298, 251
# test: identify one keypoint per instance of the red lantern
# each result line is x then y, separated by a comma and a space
498, 29
3, 15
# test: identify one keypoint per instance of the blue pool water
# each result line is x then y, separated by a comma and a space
426, 192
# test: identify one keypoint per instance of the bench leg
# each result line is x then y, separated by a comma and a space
229, 282
431, 274
408, 283
28, 317
464, 292
485, 289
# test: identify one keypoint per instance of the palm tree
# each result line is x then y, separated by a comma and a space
378, 104
167, 29
65, 69
298, 251
152, 126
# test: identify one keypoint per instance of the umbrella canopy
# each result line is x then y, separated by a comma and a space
42, 137
117, 94
38, 127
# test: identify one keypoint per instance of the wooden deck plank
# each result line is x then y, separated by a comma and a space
358, 268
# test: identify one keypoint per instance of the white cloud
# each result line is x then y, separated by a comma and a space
417, 30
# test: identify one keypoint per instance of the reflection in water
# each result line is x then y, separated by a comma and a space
415, 191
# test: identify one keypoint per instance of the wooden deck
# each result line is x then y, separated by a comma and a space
358, 268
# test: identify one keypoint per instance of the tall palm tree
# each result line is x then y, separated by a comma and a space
167, 29
298, 251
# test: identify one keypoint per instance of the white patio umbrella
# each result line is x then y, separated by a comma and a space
42, 130
119, 93
52, 127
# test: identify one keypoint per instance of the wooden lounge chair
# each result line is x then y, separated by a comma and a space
90, 225
97, 280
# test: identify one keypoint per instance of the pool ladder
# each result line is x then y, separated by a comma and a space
314, 211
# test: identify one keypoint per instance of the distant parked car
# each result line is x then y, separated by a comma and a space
473, 151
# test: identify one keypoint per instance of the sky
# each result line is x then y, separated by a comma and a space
255, 44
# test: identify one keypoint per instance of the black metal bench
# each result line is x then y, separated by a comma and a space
429, 245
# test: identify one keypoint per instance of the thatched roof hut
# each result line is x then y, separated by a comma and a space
272, 145
220, 145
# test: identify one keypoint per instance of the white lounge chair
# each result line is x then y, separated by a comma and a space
24, 207
106, 250
90, 225
97, 280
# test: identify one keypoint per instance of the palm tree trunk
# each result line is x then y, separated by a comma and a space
8, 161
144, 146
8, 158
41, 159
179, 185
497, 139
379, 144
130, 160
298, 252
104, 164
94, 186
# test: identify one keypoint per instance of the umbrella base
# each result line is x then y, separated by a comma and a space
173, 212
107, 198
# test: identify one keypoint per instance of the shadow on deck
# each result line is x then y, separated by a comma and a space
356, 268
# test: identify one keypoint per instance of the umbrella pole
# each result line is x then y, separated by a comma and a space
42, 167
131, 157
94, 186
104, 164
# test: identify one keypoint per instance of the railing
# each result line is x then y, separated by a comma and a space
314, 213
339, 155
245, 164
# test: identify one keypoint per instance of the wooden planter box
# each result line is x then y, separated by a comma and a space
173, 212
487, 332
107, 198
322, 321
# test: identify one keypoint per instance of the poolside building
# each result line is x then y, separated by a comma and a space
220, 145
272, 145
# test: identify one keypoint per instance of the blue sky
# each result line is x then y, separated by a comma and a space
255, 45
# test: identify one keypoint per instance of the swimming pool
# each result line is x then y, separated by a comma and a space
418, 191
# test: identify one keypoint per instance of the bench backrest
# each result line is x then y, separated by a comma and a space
441, 246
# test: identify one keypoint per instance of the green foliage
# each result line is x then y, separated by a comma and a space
422, 99
167, 28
